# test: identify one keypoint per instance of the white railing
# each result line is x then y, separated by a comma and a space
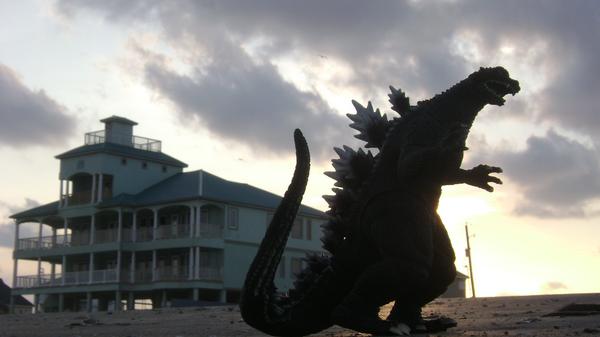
76, 277
144, 234
142, 143
110, 276
174, 231
210, 274
45, 243
143, 275
172, 274
106, 235
104, 276
211, 231
33, 281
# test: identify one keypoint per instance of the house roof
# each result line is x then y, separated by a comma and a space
203, 185
5, 296
39, 211
119, 119
122, 150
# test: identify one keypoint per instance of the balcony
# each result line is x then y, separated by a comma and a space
172, 274
174, 231
211, 231
46, 242
143, 234
142, 143
210, 274
68, 278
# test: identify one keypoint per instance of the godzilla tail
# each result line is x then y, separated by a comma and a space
259, 302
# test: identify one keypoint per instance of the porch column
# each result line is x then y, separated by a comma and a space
191, 264
94, 193
15, 271
197, 263
132, 268
39, 271
154, 223
88, 297
36, 303
130, 301
52, 272
93, 230
66, 197
61, 196
100, 186
223, 296
154, 265
134, 227
17, 227
54, 237
198, 220
192, 221
40, 234
119, 255
61, 302
163, 301
196, 294
117, 300
91, 271
65, 230
64, 269
120, 225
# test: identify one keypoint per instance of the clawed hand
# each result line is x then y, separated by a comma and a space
479, 176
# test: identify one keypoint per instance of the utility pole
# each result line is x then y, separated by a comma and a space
468, 253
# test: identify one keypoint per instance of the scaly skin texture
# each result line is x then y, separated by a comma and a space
386, 240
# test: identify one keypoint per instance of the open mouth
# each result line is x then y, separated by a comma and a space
498, 89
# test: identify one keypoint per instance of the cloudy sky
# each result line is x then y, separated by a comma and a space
224, 83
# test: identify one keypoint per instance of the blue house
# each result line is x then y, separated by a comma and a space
131, 227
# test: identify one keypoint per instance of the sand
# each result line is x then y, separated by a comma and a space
497, 316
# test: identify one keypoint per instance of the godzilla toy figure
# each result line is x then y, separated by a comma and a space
385, 240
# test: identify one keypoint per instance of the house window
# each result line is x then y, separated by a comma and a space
296, 264
233, 218
297, 229
123, 161
308, 229
144, 165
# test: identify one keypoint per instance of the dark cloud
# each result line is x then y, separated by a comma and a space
422, 47
251, 104
557, 176
29, 117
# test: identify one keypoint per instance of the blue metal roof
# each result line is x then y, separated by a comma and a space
202, 185
39, 211
122, 150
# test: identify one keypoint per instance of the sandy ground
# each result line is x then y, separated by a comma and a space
499, 316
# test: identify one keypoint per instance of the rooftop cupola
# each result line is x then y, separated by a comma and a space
119, 130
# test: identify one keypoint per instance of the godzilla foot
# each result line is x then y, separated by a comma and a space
364, 322
438, 323
401, 329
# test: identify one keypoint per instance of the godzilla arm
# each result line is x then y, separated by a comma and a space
479, 176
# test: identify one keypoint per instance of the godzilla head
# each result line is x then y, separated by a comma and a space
492, 84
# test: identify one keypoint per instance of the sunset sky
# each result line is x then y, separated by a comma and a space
224, 83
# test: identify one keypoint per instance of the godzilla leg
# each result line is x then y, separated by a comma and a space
406, 253
443, 272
